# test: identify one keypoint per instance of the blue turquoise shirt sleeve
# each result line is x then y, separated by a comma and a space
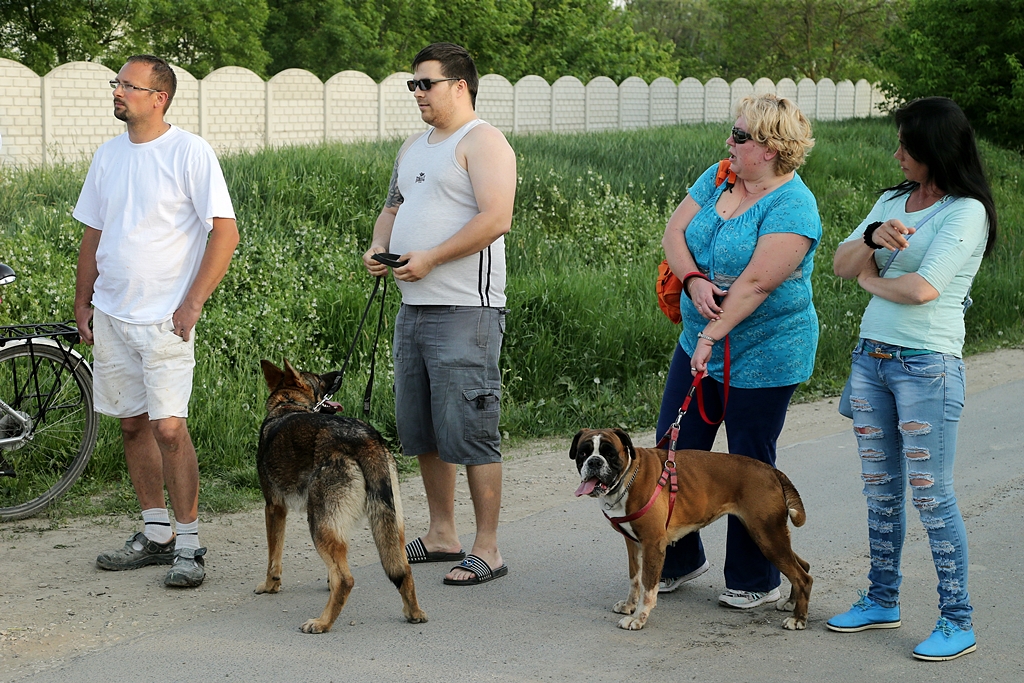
704, 189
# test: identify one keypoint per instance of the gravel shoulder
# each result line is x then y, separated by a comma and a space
55, 604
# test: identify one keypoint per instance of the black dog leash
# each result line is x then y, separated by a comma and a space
373, 351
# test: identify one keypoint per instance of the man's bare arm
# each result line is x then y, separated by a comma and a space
219, 250
85, 281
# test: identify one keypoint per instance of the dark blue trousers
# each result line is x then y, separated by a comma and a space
753, 420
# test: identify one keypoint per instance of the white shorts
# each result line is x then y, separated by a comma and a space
141, 368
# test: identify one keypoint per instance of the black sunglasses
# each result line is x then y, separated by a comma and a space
740, 136
425, 83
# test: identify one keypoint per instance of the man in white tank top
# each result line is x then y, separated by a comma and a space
448, 207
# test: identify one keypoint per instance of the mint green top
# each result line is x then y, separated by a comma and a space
947, 253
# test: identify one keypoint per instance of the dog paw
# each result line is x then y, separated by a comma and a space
794, 624
416, 617
268, 587
631, 623
786, 606
315, 626
624, 607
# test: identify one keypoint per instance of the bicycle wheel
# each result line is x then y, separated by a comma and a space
54, 391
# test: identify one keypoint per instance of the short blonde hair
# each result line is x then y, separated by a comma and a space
778, 124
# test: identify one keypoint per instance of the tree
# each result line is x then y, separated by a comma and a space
785, 38
199, 35
588, 38
42, 34
970, 51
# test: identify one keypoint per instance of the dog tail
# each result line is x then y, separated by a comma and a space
384, 512
793, 502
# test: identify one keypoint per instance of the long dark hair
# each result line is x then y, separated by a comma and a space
936, 132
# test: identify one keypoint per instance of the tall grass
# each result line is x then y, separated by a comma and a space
586, 343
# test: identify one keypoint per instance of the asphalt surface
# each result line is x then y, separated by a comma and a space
550, 618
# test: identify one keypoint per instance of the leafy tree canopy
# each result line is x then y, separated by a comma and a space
199, 35
970, 51
794, 39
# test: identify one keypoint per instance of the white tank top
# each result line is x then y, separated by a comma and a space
438, 202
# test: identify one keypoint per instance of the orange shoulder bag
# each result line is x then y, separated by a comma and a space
668, 286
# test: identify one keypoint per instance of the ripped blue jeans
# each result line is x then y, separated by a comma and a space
906, 411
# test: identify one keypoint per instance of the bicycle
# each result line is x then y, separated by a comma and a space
48, 426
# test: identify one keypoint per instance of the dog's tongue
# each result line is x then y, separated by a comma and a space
586, 487
331, 407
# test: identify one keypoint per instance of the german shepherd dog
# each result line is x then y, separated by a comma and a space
339, 470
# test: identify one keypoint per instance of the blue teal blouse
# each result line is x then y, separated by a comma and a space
775, 345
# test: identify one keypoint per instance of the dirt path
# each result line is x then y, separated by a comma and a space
55, 604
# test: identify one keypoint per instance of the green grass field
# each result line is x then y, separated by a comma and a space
586, 343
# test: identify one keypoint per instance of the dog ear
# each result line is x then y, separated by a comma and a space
328, 379
293, 376
627, 443
271, 373
575, 443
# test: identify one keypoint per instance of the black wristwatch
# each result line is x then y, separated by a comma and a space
868, 232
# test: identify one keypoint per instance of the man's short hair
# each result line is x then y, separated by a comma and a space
455, 63
163, 79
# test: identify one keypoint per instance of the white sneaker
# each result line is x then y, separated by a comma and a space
747, 599
669, 585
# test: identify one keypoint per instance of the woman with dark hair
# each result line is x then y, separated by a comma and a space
907, 380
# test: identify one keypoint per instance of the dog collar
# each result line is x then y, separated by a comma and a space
626, 489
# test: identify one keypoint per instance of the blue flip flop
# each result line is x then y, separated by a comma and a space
483, 572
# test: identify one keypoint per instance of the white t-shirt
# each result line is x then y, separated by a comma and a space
155, 203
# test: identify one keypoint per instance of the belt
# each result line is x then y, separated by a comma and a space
897, 353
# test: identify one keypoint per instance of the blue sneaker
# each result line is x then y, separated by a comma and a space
947, 641
865, 614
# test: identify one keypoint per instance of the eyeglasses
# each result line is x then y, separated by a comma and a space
741, 136
424, 84
128, 87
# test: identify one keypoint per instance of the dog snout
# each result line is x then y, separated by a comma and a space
594, 466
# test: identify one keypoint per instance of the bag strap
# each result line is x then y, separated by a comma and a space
892, 257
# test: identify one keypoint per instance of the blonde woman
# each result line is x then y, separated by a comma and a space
745, 251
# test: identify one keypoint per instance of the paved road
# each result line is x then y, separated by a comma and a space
549, 619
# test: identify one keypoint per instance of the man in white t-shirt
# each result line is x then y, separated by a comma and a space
160, 232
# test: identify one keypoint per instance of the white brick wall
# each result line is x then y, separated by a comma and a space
352, 107
691, 101
184, 109
602, 104
234, 110
80, 111
21, 121
807, 98
717, 101
787, 88
295, 108
533, 105
495, 102
568, 105
399, 113
67, 114
634, 104
826, 92
664, 108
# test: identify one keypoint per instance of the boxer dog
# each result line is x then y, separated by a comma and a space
626, 480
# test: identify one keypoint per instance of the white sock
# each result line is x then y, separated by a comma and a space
188, 535
158, 526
